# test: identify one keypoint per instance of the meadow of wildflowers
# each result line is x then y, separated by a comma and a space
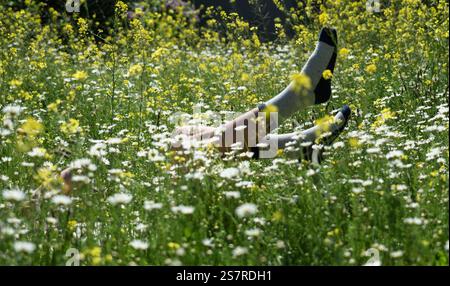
101, 102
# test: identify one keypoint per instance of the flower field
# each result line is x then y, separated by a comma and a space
101, 101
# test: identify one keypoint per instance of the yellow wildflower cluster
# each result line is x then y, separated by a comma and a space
80, 75
301, 83
324, 124
72, 126
327, 74
372, 68
106, 92
28, 134
381, 119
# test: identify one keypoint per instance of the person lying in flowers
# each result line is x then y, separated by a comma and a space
251, 131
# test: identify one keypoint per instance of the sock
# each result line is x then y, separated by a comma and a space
301, 145
322, 91
291, 99
327, 132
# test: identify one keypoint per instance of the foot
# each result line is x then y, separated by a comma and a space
314, 152
340, 122
322, 91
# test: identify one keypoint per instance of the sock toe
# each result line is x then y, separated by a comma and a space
338, 127
329, 36
346, 111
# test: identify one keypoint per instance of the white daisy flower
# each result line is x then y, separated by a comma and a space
253, 232
234, 195
14, 195
394, 154
151, 205
13, 110
246, 209
208, 242
413, 220
238, 251
24, 246
120, 198
37, 152
229, 173
139, 244
183, 209
61, 200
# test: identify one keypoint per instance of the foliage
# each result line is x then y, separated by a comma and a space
100, 102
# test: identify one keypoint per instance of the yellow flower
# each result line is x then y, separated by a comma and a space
54, 106
270, 109
71, 224
385, 114
372, 68
173, 245
344, 52
15, 83
96, 260
245, 77
138, 12
108, 258
71, 95
324, 124
95, 251
71, 127
354, 142
121, 8
333, 232
68, 28
301, 83
83, 26
324, 18
80, 75
159, 52
45, 176
31, 127
327, 74
135, 70
256, 41
277, 216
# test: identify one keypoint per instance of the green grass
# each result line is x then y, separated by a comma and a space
384, 189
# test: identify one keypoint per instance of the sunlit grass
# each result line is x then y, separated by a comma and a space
71, 96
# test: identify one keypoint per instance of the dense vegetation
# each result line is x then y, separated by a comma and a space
100, 101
